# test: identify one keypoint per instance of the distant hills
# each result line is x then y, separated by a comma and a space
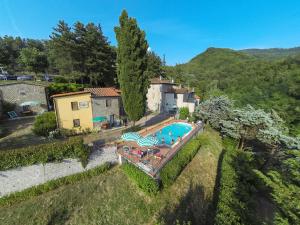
264, 78
272, 53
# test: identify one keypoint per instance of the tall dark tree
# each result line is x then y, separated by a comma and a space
132, 66
83, 53
100, 57
60, 49
154, 65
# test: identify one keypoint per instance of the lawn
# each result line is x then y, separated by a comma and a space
111, 198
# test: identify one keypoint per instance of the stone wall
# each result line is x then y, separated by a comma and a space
17, 93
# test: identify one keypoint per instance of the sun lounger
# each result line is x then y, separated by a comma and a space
12, 115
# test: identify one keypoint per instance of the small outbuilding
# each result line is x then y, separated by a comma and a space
25, 97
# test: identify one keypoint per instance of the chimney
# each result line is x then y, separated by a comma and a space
172, 81
160, 77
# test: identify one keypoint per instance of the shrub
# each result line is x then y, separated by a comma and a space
44, 123
57, 88
55, 151
60, 79
193, 118
132, 129
184, 113
53, 184
143, 181
173, 168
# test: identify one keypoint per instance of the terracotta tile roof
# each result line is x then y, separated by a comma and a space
160, 81
197, 97
104, 92
70, 93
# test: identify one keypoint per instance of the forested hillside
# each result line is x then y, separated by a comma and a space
246, 79
272, 53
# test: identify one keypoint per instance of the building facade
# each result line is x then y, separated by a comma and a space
25, 96
166, 96
73, 110
107, 105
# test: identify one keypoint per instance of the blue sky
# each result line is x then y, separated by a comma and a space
178, 29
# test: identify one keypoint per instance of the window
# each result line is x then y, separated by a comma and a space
76, 123
74, 106
175, 95
83, 104
108, 102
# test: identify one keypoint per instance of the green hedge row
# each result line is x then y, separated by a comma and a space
55, 151
53, 184
228, 201
173, 168
145, 182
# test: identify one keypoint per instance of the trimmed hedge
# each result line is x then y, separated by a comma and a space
173, 168
53, 184
228, 202
143, 181
55, 151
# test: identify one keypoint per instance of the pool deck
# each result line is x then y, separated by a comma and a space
153, 163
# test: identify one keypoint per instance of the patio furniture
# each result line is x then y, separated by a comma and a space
126, 149
138, 153
105, 125
153, 151
158, 156
12, 115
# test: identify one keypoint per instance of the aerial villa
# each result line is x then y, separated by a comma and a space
165, 96
89, 109
151, 148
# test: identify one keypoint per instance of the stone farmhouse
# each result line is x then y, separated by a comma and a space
164, 96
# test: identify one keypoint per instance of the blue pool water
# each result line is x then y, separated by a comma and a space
172, 131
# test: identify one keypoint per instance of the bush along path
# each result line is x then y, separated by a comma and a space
60, 164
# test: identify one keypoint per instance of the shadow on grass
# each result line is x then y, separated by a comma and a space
192, 209
59, 217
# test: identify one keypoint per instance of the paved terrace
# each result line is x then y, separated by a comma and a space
152, 163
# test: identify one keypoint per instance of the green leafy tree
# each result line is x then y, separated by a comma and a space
132, 66
44, 123
33, 59
214, 110
283, 184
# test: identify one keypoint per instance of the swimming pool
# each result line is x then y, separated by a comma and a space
172, 131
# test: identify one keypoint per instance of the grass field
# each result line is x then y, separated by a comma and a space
111, 198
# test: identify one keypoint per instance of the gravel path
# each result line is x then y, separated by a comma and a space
24, 177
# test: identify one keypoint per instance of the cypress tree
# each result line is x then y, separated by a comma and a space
132, 66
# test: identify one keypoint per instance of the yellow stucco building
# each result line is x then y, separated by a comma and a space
73, 110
